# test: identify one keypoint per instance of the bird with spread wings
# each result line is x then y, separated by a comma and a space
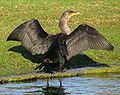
60, 47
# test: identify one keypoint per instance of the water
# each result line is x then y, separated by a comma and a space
105, 85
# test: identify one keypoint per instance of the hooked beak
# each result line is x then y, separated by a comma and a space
75, 13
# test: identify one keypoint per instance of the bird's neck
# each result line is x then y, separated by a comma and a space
63, 26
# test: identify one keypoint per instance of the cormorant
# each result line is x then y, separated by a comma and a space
60, 47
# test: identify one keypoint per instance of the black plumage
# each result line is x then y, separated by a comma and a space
60, 47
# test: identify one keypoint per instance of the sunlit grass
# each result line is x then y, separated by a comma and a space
104, 15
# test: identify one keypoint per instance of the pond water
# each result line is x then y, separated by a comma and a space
82, 85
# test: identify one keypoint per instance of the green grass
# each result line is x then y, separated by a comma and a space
104, 15
87, 72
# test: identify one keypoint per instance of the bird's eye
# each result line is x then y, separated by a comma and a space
66, 13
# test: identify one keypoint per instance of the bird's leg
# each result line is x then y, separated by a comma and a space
60, 82
47, 83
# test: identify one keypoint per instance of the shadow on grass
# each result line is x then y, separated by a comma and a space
20, 49
78, 61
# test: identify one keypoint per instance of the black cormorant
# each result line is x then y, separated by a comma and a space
60, 47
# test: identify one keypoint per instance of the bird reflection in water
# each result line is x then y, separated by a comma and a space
54, 90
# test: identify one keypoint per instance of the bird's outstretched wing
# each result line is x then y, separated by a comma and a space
85, 37
32, 36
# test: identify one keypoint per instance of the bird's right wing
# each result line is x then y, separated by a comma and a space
32, 36
85, 37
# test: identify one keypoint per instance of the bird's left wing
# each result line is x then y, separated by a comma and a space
85, 37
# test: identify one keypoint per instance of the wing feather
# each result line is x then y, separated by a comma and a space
85, 37
32, 36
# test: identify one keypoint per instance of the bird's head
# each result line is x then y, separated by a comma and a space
69, 13
64, 19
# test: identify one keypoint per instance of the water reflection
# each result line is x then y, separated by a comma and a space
107, 85
51, 90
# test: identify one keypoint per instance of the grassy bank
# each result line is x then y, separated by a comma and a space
104, 15
93, 72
